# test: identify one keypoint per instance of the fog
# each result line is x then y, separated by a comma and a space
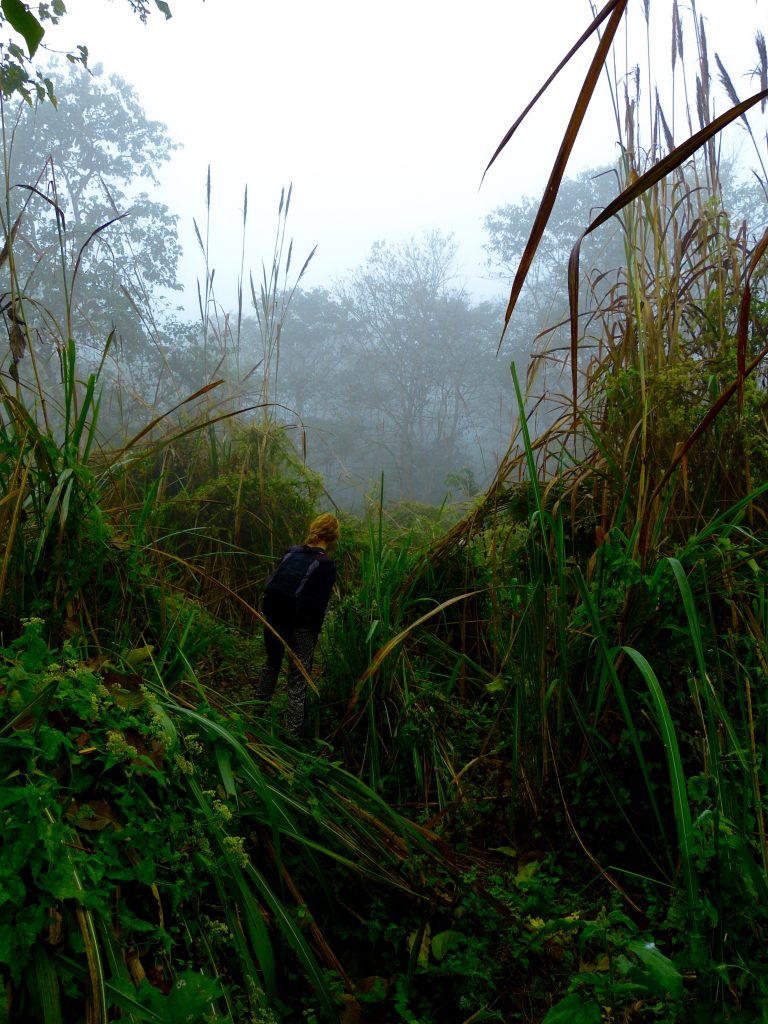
383, 120
383, 117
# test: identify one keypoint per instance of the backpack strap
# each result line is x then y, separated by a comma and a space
310, 569
316, 556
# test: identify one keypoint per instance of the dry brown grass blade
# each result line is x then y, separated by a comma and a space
566, 146
169, 412
5, 251
574, 49
95, 1003
743, 328
640, 185
17, 494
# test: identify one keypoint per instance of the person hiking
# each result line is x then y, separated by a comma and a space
295, 599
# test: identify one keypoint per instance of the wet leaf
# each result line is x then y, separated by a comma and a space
24, 22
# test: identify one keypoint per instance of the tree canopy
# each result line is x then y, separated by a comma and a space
409, 383
91, 246
89, 156
18, 73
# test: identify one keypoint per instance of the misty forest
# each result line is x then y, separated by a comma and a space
532, 780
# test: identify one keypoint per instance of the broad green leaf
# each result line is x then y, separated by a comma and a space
24, 22
11, 795
163, 6
190, 996
138, 655
508, 851
573, 1010
527, 872
661, 969
224, 762
445, 941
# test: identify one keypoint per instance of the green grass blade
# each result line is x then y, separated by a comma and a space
717, 714
676, 778
608, 658
46, 985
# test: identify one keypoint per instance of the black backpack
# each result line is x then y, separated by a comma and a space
291, 575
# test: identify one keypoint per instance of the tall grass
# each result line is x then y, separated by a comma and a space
622, 551
582, 656
142, 773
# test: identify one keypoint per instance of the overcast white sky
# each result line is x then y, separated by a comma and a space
382, 115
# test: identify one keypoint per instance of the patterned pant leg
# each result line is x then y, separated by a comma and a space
303, 644
268, 678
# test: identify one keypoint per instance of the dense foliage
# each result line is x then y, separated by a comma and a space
533, 786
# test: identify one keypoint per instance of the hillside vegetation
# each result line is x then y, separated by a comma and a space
533, 786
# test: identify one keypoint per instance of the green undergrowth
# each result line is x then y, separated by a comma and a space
165, 862
170, 862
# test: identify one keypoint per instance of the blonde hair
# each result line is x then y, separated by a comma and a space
324, 529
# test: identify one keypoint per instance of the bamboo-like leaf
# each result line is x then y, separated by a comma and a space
356, 816
7, 245
566, 146
85, 411
292, 934
237, 889
18, 497
65, 500
599, 19
119, 973
725, 522
50, 510
718, 716
224, 762
96, 1001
